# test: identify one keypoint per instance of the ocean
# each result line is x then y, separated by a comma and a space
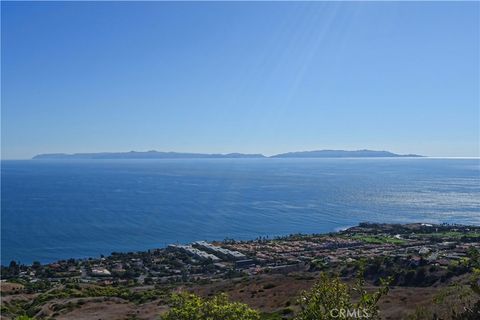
53, 210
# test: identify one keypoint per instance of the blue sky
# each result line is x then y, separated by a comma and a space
240, 77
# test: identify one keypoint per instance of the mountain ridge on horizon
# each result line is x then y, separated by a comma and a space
153, 154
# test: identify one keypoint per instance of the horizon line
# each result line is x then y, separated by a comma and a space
265, 157
268, 155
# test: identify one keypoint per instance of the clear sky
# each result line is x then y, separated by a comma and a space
240, 77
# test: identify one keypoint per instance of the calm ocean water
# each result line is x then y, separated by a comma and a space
53, 210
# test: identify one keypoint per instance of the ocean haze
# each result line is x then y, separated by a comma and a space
79, 208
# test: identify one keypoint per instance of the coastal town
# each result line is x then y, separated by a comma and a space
412, 255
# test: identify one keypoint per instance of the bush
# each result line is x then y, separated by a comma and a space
186, 306
330, 298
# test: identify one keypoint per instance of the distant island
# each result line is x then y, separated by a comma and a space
343, 154
179, 155
145, 155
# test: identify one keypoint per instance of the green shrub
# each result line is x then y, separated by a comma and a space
186, 306
330, 298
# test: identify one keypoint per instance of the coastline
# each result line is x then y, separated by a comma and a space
336, 231
267, 274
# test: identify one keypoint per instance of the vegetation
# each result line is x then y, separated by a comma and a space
440, 257
187, 306
457, 302
453, 235
471, 311
330, 298
30, 308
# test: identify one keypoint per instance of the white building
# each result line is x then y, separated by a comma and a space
199, 254
222, 252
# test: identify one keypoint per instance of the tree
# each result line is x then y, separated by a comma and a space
474, 256
330, 298
187, 306
13, 268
